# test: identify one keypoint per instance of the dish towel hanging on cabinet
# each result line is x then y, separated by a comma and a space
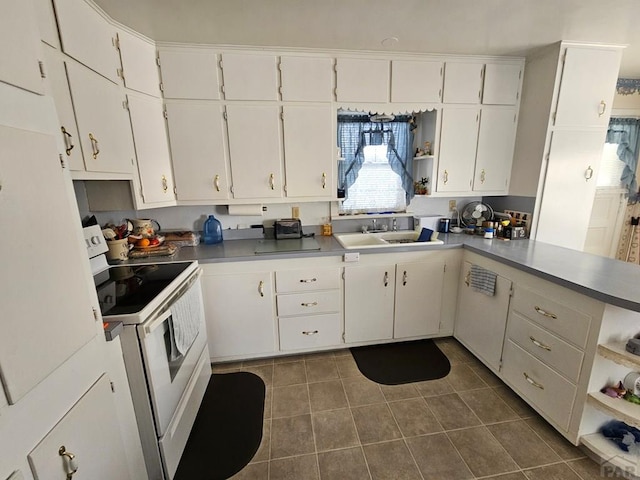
482, 280
186, 317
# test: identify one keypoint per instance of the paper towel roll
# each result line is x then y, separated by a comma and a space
246, 210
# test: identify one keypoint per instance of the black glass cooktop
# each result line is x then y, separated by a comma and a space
125, 289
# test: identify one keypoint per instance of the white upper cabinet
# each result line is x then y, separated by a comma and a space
200, 164
462, 82
47, 22
362, 80
255, 149
33, 344
103, 121
416, 81
306, 79
88, 37
458, 142
152, 149
250, 77
20, 49
495, 149
309, 146
501, 84
581, 103
139, 67
189, 74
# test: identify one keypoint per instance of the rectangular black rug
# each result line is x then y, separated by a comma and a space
402, 362
228, 428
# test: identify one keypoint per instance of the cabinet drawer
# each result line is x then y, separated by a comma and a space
559, 318
307, 279
553, 351
309, 303
310, 332
543, 387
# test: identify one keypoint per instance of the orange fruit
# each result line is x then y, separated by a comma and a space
143, 242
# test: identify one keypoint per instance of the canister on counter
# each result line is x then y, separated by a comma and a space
443, 225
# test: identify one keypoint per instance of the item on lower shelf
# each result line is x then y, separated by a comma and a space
633, 346
614, 392
625, 436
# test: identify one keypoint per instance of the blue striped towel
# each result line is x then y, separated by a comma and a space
483, 280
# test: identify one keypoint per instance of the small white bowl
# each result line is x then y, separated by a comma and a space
455, 230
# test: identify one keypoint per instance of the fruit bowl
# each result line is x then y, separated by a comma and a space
146, 243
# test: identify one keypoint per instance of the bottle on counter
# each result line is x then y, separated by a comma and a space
212, 231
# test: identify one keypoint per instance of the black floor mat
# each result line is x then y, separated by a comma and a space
228, 429
404, 362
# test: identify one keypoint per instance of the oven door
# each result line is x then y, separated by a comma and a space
167, 379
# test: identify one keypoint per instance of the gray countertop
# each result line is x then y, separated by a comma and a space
610, 281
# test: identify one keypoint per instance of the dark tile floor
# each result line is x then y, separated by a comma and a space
325, 420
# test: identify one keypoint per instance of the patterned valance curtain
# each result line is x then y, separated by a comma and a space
626, 133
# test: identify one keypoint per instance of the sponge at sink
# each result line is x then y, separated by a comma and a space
427, 235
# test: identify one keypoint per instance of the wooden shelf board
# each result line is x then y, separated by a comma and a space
423, 157
610, 453
616, 352
621, 409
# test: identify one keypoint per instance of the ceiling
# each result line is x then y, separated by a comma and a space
480, 27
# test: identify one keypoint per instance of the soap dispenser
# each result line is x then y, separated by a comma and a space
212, 231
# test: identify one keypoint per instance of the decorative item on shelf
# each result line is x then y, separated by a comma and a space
427, 148
421, 187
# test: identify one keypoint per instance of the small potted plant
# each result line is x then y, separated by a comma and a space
421, 187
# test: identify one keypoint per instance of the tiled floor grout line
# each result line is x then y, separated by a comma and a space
313, 431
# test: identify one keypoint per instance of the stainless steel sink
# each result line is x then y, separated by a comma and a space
404, 238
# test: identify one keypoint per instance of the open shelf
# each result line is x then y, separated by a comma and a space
610, 453
616, 352
617, 407
423, 157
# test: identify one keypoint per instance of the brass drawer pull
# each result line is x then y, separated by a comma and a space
310, 332
386, 279
261, 288
272, 181
545, 313
68, 144
216, 182
309, 304
324, 180
71, 466
308, 280
404, 278
94, 146
165, 184
532, 381
540, 345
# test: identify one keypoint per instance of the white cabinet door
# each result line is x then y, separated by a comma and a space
255, 150
103, 121
250, 77
368, 303
152, 149
481, 319
239, 311
57, 87
34, 281
306, 79
569, 187
140, 71
494, 157
414, 81
501, 84
84, 432
47, 22
189, 74
462, 82
309, 146
362, 80
88, 37
418, 300
587, 103
458, 142
198, 150
20, 46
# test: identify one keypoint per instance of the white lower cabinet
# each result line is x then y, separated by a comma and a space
481, 319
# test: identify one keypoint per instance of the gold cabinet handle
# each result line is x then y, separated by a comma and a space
482, 176
71, 464
95, 147
445, 177
588, 174
467, 278
309, 304
261, 288
532, 381
603, 108
544, 313
216, 183
68, 144
308, 280
165, 184
272, 181
540, 344
310, 332
324, 180
404, 278
386, 279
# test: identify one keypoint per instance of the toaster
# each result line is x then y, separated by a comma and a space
287, 228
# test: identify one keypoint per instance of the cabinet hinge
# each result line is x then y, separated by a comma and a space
280, 91
284, 187
165, 114
125, 105
553, 118
279, 65
220, 63
161, 85
158, 60
120, 72
444, 268
281, 115
43, 74
343, 337
175, 190
224, 115
520, 74
511, 292
113, 387
141, 193
441, 71
343, 274
335, 66
95, 314
335, 92
231, 188
116, 42
62, 162
222, 89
